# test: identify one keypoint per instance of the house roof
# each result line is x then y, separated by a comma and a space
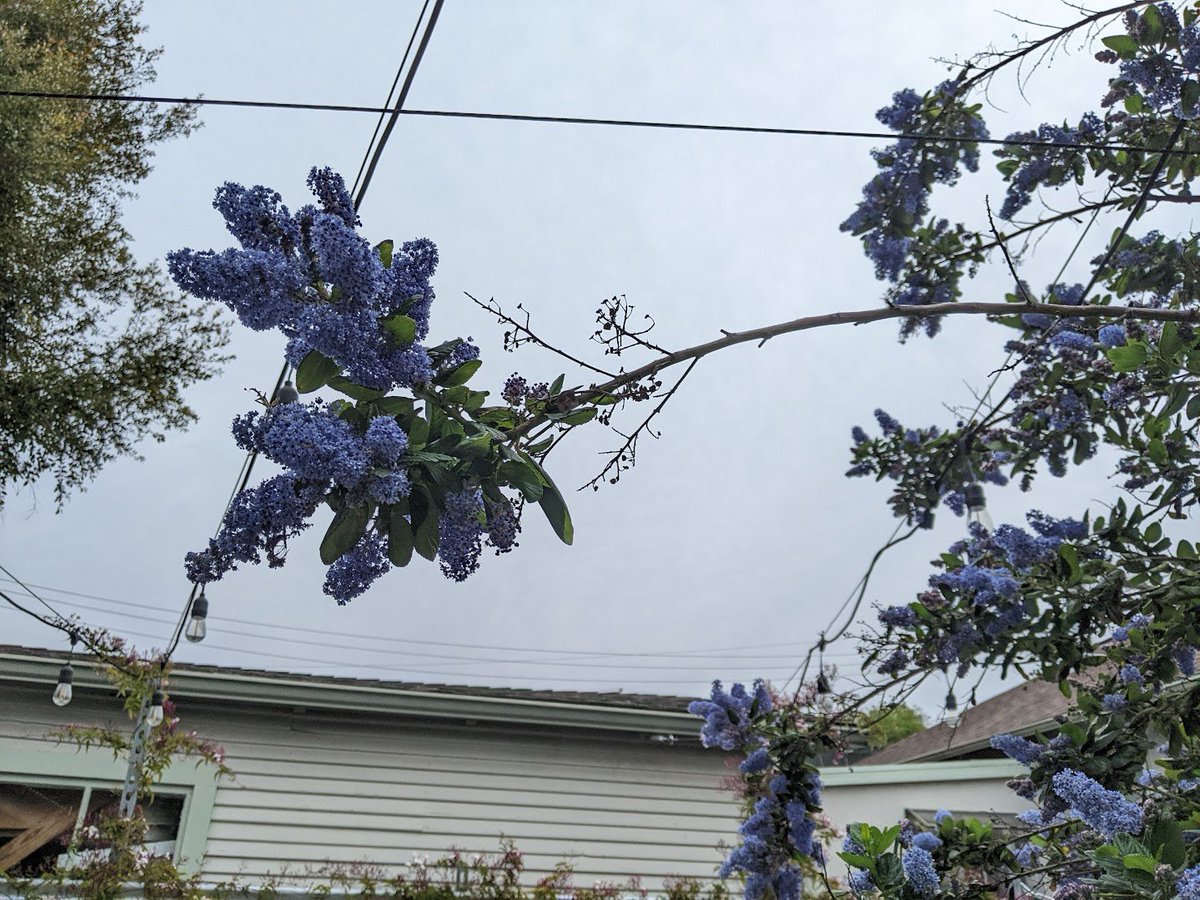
605, 710
1026, 708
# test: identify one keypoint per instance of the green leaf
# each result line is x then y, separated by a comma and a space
314, 372
557, 385
348, 526
579, 416
402, 328
1153, 25
1121, 43
384, 249
1141, 862
462, 374
1133, 104
393, 406
523, 477
554, 506
1071, 557
344, 385
400, 539
424, 524
1169, 343
1165, 838
1008, 166
1191, 95
1129, 357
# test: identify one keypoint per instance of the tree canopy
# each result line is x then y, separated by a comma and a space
95, 349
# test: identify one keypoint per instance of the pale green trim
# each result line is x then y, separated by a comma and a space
293, 692
55, 764
921, 773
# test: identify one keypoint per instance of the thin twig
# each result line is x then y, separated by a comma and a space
618, 455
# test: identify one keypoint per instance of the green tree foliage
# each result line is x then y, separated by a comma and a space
95, 350
885, 725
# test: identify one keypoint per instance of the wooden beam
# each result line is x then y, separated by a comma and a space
52, 825
33, 839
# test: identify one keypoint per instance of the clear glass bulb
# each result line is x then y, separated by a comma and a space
197, 626
980, 517
154, 715
62, 691
62, 694
977, 508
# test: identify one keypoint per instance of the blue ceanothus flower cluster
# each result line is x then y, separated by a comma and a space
363, 311
778, 837
895, 202
311, 276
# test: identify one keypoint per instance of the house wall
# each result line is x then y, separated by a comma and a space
880, 794
313, 789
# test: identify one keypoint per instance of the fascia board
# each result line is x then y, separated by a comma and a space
285, 692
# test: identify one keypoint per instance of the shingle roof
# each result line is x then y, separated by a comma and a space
1024, 708
621, 700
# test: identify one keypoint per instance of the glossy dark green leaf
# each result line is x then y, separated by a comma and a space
315, 371
1129, 357
462, 374
523, 477
1121, 43
580, 416
424, 524
344, 385
402, 328
384, 249
400, 539
555, 508
347, 528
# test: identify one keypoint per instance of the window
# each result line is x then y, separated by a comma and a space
39, 822
49, 792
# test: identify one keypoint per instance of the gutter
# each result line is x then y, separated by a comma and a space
293, 692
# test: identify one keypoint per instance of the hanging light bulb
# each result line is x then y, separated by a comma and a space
287, 393
977, 507
62, 692
951, 701
823, 685
197, 626
154, 715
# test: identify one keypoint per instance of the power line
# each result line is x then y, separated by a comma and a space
379, 123
310, 662
574, 659
583, 120
431, 643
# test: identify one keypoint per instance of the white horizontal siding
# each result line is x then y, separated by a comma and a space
311, 790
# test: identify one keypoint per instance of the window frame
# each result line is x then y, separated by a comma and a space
63, 766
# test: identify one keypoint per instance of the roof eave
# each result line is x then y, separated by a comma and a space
297, 692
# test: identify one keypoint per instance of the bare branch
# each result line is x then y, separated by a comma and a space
1033, 46
619, 455
526, 335
861, 317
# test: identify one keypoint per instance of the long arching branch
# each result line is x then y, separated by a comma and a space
568, 401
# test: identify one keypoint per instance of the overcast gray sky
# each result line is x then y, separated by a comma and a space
736, 533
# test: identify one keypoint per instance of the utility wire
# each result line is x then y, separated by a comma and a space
446, 659
693, 653
387, 103
582, 120
310, 662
